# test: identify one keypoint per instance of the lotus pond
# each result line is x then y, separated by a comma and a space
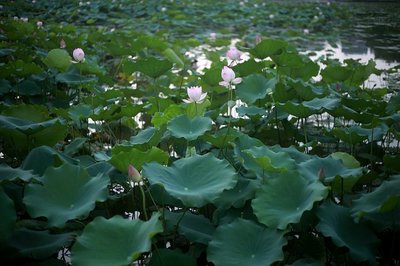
199, 133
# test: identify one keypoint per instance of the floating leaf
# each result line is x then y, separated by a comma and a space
283, 200
189, 128
195, 181
129, 239
254, 87
245, 243
68, 192
337, 223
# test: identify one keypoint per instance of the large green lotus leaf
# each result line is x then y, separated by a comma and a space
161, 118
5, 86
26, 126
383, 199
8, 216
307, 108
196, 228
150, 66
222, 138
245, 243
74, 146
173, 57
305, 90
347, 159
59, 59
248, 67
167, 257
137, 158
116, 241
9, 173
38, 244
42, 157
74, 77
336, 222
333, 74
243, 143
212, 76
270, 160
293, 152
352, 135
195, 181
29, 88
237, 197
330, 168
268, 47
295, 65
148, 136
189, 128
197, 109
254, 87
283, 200
392, 162
250, 111
68, 192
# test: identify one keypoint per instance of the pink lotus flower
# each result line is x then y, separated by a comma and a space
233, 53
62, 44
39, 24
134, 174
195, 94
258, 39
213, 36
78, 55
229, 77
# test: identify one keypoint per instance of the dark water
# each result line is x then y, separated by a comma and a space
374, 29
373, 32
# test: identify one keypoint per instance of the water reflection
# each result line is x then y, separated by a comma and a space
357, 52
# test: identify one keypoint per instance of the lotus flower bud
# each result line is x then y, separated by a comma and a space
62, 44
79, 55
321, 174
229, 77
233, 53
134, 174
258, 39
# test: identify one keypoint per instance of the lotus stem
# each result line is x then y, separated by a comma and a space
143, 202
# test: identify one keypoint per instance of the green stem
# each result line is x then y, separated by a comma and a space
143, 202
305, 134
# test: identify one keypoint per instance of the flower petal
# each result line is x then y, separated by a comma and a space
237, 80
224, 83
